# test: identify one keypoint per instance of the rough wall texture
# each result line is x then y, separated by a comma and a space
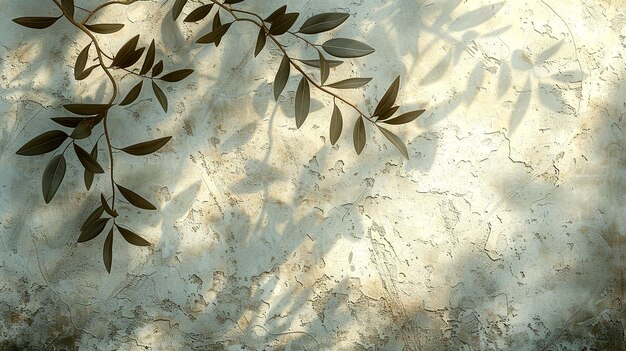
505, 230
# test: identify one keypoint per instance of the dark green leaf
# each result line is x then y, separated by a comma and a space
149, 60
93, 230
260, 42
70, 122
316, 63
131, 237
282, 76
232, 1
147, 147
324, 69
282, 23
350, 83
199, 14
105, 28
178, 8
336, 125
346, 48
43, 143
83, 129
84, 74
160, 95
106, 207
87, 109
217, 23
107, 251
88, 175
81, 61
177, 75
132, 95
278, 12
215, 36
406, 117
157, 69
52, 177
323, 22
36, 22
135, 199
397, 142
358, 135
94, 216
68, 7
133, 58
126, 52
387, 114
389, 98
303, 102
87, 161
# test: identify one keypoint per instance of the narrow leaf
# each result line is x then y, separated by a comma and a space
43, 143
94, 216
350, 83
177, 75
125, 52
215, 36
178, 8
105, 28
387, 114
387, 101
282, 76
135, 199
107, 251
88, 175
87, 109
131, 237
324, 69
106, 207
232, 1
83, 129
316, 63
68, 7
395, 140
149, 60
157, 69
84, 74
282, 23
132, 95
87, 161
405, 117
81, 61
70, 122
52, 177
260, 42
147, 147
303, 102
346, 48
199, 14
358, 135
160, 95
323, 22
132, 58
93, 230
36, 22
278, 12
336, 125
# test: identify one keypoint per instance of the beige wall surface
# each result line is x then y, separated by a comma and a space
504, 230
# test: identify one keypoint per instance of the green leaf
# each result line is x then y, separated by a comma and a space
133, 58
346, 48
132, 95
157, 69
215, 36
282, 23
107, 251
52, 177
199, 14
87, 109
405, 117
68, 7
323, 22
324, 69
260, 42
395, 140
160, 95
81, 61
94, 216
282, 76
135, 199
389, 98
43, 143
149, 60
147, 147
84, 74
177, 75
106, 207
126, 52
217, 22
70, 122
358, 135
131, 237
83, 129
336, 125
36, 22
105, 28
278, 12
303, 102
178, 8
93, 230
316, 63
87, 161
350, 83
88, 175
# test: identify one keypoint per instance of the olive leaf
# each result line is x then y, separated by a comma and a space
135, 199
178, 8
36, 22
387, 114
346, 48
131, 237
336, 125
94, 216
278, 12
199, 14
132, 95
107, 251
303, 102
146, 147
217, 22
215, 36
52, 177
70, 122
395, 140
105, 28
324, 69
106, 207
87, 109
260, 42
405, 117
323, 22
358, 135
177, 75
282, 76
81, 61
125, 53
68, 6
83, 129
157, 69
93, 229
387, 101
88, 175
316, 63
350, 83
43, 143
282, 23
86, 160
133, 58
149, 60
233, 1
160, 95
84, 74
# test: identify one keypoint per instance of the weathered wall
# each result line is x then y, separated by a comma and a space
505, 230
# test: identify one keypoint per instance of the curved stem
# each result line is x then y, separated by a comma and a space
127, 70
100, 7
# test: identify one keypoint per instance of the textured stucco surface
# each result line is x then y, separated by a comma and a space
504, 231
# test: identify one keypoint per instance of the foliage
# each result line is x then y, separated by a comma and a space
86, 117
